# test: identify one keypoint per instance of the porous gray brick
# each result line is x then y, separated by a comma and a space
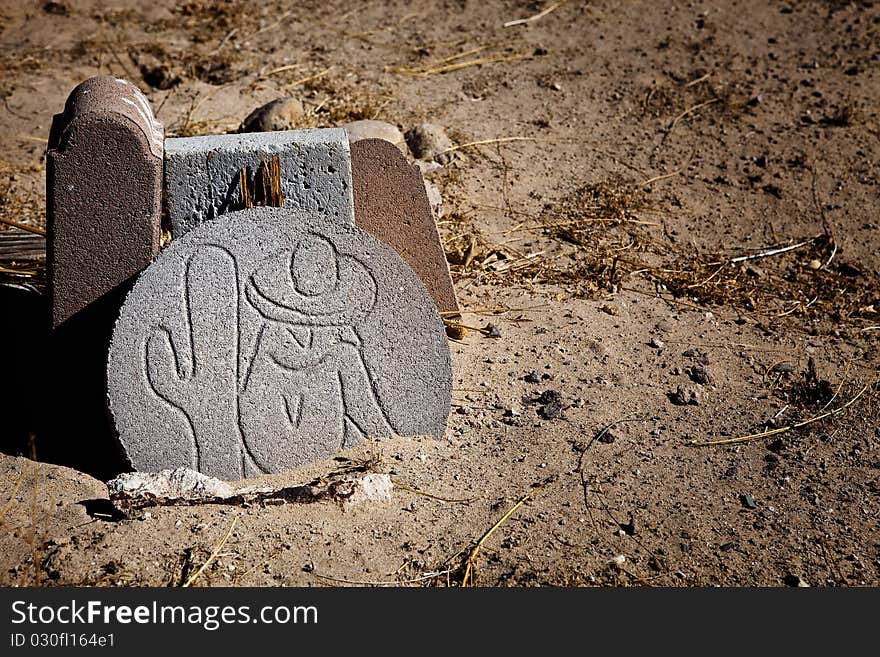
271, 338
202, 173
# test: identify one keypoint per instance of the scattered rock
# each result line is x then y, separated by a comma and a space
783, 368
492, 330
428, 142
619, 560
684, 395
368, 129
372, 487
794, 580
552, 405
748, 501
657, 343
280, 114
607, 437
699, 374
56, 8
532, 377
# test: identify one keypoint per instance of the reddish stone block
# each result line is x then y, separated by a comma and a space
104, 193
390, 202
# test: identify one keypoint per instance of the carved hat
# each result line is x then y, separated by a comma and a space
312, 285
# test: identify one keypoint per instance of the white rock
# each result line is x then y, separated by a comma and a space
368, 129
373, 487
177, 483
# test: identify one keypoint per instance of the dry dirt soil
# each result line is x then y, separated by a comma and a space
623, 233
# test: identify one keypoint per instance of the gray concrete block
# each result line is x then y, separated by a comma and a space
269, 338
104, 193
202, 173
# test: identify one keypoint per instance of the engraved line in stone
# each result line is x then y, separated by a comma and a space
194, 461
345, 415
373, 386
250, 364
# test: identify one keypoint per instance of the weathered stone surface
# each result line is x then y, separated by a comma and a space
104, 192
280, 114
391, 203
369, 129
270, 338
179, 483
202, 173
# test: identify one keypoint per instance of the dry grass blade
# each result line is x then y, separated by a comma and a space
448, 500
454, 62
789, 427
306, 79
21, 226
468, 578
212, 556
689, 111
397, 582
484, 142
15, 489
772, 252
538, 16
492, 59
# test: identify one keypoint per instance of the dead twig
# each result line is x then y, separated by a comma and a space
21, 226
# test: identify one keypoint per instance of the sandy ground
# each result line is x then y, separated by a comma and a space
656, 143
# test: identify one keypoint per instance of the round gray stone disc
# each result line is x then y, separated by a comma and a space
269, 338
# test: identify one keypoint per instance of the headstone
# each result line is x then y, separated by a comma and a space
390, 203
104, 193
270, 338
203, 181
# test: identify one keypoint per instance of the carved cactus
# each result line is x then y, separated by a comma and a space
197, 372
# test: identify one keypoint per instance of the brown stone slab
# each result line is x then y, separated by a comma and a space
390, 202
104, 193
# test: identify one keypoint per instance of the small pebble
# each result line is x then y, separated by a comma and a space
492, 331
699, 374
657, 343
684, 395
748, 501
